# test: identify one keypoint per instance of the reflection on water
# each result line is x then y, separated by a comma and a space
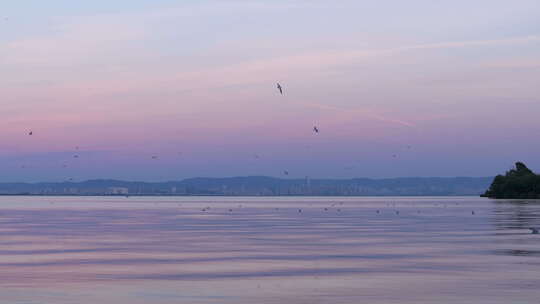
268, 250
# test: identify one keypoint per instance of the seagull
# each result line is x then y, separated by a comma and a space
533, 230
280, 88
315, 129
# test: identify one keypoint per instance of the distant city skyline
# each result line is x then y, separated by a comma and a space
166, 90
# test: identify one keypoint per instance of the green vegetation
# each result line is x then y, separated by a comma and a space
520, 182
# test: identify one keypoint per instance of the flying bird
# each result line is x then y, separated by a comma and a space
286, 172
280, 88
30, 133
154, 157
315, 129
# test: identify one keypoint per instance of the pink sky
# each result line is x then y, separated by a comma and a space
457, 83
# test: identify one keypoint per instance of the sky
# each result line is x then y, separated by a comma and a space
161, 90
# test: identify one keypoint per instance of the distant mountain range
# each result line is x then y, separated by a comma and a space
262, 186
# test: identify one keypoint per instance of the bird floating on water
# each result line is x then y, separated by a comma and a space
533, 230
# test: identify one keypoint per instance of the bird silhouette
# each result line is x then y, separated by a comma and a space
30, 133
533, 230
315, 129
280, 88
286, 172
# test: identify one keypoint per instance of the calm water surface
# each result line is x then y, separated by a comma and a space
268, 250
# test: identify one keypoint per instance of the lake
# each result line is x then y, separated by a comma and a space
268, 250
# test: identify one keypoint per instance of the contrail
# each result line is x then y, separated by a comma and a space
362, 112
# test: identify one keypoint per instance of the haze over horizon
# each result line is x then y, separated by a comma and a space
420, 88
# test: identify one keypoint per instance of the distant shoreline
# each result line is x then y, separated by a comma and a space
260, 186
220, 195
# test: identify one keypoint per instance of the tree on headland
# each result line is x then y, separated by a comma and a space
520, 182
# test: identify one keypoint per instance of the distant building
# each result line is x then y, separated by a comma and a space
117, 190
